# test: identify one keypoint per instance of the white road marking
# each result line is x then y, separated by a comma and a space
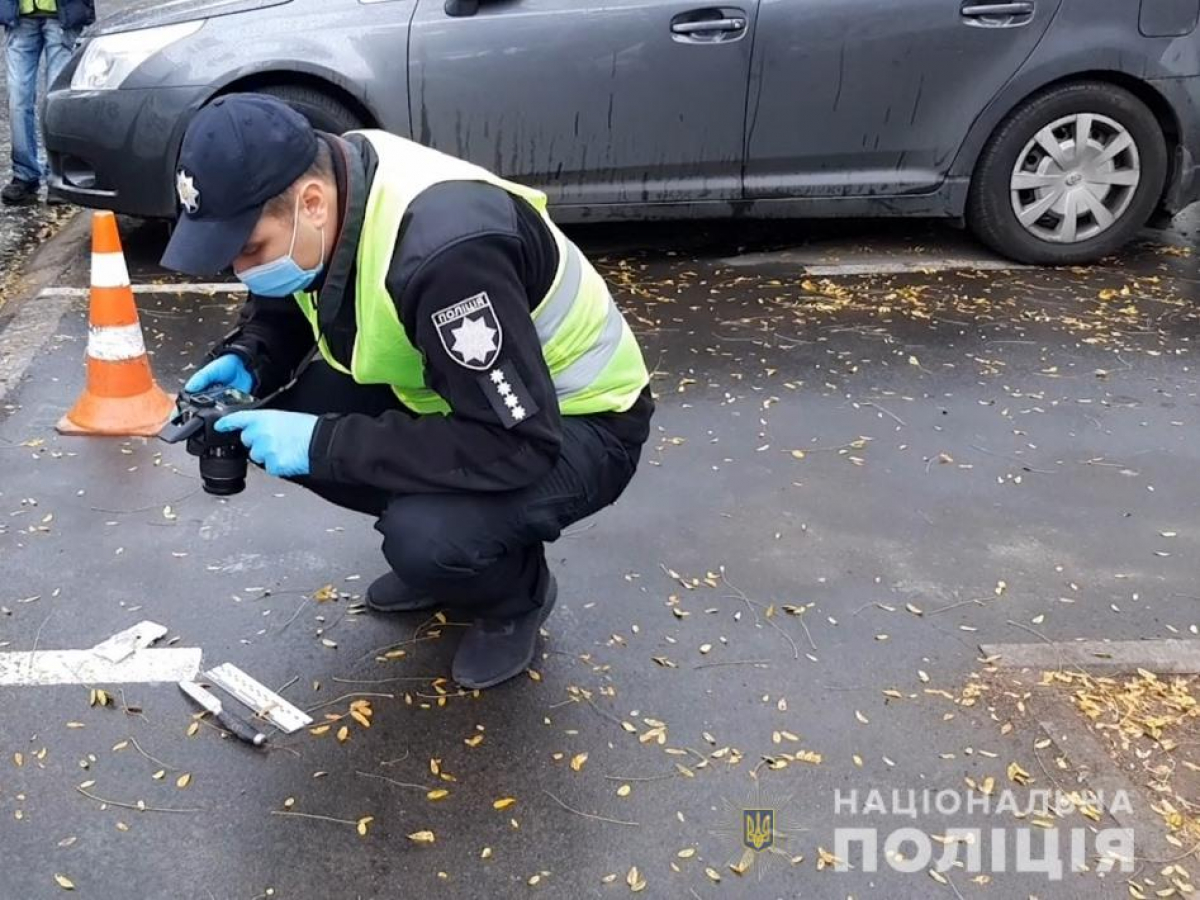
884, 267
1168, 656
46, 667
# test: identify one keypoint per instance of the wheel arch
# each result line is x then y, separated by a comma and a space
313, 80
986, 125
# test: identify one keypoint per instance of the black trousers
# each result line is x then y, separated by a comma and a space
483, 554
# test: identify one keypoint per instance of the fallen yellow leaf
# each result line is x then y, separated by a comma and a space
635, 880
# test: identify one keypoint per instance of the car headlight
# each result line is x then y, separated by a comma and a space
109, 59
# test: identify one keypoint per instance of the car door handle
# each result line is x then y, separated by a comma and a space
999, 14
710, 26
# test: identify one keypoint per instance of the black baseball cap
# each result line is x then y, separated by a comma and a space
238, 152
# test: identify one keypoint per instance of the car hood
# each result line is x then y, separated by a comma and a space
151, 13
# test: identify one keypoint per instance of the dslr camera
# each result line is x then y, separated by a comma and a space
223, 457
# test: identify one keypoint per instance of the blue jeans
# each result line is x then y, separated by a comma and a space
25, 44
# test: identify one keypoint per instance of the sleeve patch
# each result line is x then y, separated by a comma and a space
470, 332
509, 397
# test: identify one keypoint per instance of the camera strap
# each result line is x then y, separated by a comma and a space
299, 371
296, 373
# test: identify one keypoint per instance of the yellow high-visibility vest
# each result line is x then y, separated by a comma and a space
41, 7
593, 356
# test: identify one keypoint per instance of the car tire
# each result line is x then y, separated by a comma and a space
324, 113
1029, 169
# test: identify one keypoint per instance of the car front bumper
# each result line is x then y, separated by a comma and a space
117, 149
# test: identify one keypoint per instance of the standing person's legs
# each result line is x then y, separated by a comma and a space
23, 50
60, 43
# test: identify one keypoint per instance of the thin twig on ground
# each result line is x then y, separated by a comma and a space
734, 662
140, 509
300, 815
428, 679
138, 748
296, 614
886, 413
739, 594
347, 697
403, 784
587, 815
643, 778
942, 609
140, 808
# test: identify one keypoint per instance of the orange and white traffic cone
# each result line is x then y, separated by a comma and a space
121, 397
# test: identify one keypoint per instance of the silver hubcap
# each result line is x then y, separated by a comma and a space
1075, 179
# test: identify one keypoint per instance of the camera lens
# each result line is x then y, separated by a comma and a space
223, 471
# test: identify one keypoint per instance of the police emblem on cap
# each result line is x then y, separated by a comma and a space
470, 332
189, 196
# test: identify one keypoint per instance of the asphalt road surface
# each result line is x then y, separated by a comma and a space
854, 482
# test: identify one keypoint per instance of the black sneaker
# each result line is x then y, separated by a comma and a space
389, 594
19, 193
494, 651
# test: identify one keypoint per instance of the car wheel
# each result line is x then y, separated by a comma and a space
323, 111
1070, 176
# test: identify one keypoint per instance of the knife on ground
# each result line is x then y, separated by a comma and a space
237, 725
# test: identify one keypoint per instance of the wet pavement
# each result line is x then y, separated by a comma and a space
853, 483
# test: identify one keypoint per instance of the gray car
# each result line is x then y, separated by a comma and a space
1054, 128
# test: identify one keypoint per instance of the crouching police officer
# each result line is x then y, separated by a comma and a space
477, 390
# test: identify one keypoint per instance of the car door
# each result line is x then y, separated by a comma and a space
865, 97
629, 101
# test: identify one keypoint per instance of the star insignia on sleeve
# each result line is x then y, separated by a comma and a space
507, 394
474, 340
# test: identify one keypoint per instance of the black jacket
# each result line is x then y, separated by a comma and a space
457, 240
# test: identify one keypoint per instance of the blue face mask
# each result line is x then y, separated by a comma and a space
283, 277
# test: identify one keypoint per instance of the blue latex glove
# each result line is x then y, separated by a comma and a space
227, 370
278, 440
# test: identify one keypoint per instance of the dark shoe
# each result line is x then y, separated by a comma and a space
19, 193
494, 651
389, 594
